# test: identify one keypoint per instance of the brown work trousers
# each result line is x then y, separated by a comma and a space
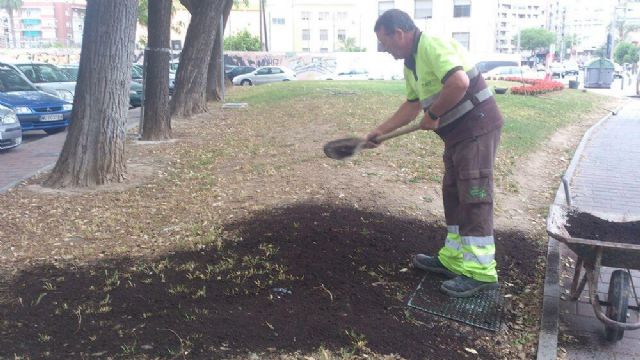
467, 186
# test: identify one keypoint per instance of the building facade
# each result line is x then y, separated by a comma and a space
513, 16
40, 23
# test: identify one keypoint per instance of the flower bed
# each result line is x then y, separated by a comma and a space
535, 86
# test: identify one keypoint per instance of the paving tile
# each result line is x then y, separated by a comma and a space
612, 148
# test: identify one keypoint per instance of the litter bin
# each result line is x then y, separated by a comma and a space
599, 74
573, 84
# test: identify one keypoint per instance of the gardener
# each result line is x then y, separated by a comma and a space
460, 108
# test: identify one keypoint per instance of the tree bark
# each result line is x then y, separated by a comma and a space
94, 150
214, 86
13, 28
191, 78
157, 118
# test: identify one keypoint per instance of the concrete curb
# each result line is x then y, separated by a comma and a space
549, 321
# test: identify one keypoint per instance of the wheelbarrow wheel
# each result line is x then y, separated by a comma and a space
618, 303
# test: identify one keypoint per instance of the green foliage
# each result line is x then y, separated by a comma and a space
10, 5
534, 38
349, 45
626, 53
242, 41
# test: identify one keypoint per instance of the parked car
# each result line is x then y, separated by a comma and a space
137, 72
571, 68
352, 74
266, 74
35, 109
485, 66
618, 71
135, 88
70, 70
238, 70
557, 69
49, 78
10, 131
506, 71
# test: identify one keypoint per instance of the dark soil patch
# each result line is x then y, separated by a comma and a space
288, 279
587, 226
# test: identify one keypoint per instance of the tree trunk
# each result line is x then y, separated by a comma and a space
93, 152
157, 118
191, 78
214, 85
13, 27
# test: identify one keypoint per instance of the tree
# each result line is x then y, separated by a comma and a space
349, 45
215, 75
191, 78
10, 6
93, 152
242, 41
535, 38
157, 118
626, 53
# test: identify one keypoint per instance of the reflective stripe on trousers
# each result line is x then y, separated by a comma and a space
471, 256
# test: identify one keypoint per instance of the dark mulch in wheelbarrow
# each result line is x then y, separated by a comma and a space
346, 280
587, 226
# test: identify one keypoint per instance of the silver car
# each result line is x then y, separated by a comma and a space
49, 78
10, 130
264, 75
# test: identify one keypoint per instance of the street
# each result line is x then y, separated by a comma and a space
37, 153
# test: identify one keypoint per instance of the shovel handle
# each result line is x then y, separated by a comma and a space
398, 132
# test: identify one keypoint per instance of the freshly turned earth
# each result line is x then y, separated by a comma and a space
587, 226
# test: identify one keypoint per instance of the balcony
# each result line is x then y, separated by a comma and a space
31, 21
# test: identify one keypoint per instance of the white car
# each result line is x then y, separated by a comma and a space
505, 71
353, 74
49, 78
264, 75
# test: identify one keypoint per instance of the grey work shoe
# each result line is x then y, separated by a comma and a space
463, 286
432, 264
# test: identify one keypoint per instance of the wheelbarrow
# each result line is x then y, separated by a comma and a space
592, 254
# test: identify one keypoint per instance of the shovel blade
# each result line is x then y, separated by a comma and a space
343, 148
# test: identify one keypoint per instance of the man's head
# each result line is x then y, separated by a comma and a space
395, 31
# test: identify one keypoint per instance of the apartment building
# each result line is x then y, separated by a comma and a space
41, 23
514, 16
470, 22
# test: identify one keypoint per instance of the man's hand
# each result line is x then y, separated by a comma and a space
370, 139
429, 124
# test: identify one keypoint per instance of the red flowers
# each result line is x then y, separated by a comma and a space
535, 87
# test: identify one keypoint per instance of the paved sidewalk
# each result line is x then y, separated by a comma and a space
38, 153
604, 181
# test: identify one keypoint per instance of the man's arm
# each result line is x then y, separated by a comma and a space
404, 115
452, 92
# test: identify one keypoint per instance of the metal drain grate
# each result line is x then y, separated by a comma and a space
483, 310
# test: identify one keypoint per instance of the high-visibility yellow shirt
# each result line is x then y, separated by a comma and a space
434, 59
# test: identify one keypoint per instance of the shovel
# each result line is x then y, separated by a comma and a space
344, 148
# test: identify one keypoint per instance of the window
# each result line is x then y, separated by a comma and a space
324, 34
384, 6
323, 15
276, 70
305, 50
461, 8
264, 71
342, 35
423, 9
324, 50
277, 21
462, 38
342, 15
306, 34
305, 15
